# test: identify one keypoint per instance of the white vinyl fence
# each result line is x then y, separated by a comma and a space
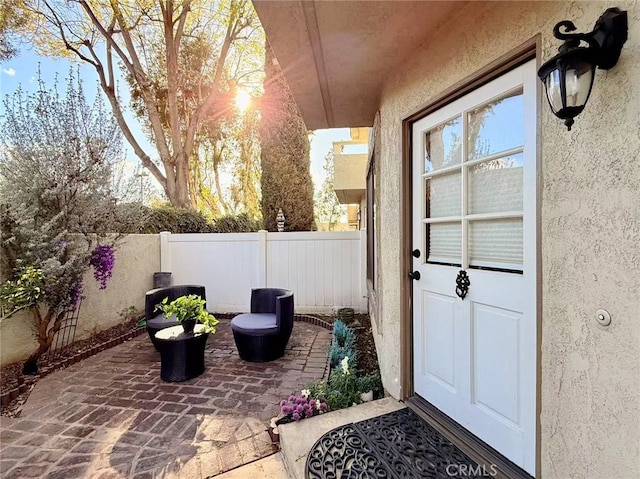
325, 270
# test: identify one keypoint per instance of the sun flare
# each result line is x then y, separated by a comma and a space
243, 100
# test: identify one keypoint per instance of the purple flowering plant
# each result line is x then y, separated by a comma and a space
297, 407
102, 259
76, 294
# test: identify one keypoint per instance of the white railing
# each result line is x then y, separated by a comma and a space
325, 270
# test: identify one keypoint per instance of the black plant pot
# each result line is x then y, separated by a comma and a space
188, 325
285, 420
30, 367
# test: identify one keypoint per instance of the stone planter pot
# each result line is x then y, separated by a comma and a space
161, 279
366, 397
345, 315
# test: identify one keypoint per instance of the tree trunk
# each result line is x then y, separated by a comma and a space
217, 156
44, 335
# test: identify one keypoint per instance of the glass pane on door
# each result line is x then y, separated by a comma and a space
443, 145
496, 126
496, 186
496, 243
444, 242
443, 195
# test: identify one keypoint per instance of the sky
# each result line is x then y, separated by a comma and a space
23, 70
321, 144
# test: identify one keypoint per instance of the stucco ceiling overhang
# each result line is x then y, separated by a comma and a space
336, 54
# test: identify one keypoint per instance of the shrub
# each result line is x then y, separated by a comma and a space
370, 382
343, 388
318, 389
135, 218
343, 344
284, 159
343, 334
241, 223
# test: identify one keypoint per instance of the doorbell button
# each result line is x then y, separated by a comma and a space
603, 317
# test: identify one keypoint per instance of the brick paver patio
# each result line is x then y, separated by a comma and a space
110, 416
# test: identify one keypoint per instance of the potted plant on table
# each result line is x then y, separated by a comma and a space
188, 311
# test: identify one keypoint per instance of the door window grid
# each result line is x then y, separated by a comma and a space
471, 223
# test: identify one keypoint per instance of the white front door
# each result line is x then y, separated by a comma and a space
474, 210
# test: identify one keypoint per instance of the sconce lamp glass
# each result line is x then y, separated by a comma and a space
568, 76
568, 83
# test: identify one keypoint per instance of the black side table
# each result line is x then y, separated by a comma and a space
158, 324
181, 354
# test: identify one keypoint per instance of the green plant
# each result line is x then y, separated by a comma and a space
318, 389
370, 382
23, 292
130, 313
242, 223
342, 387
343, 344
285, 181
336, 353
189, 307
343, 334
134, 218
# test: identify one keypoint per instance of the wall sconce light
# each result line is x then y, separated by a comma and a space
568, 77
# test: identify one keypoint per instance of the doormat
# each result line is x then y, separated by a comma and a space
396, 445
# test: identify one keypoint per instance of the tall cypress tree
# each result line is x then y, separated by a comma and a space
286, 179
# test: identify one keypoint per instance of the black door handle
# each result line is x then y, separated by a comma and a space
415, 253
414, 275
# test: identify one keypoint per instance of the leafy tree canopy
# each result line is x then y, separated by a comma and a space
12, 19
183, 60
327, 208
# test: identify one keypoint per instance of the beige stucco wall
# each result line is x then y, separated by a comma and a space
349, 177
137, 258
589, 376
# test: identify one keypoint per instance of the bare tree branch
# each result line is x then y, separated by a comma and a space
55, 20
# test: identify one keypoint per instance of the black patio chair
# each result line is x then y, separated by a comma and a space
155, 319
262, 335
